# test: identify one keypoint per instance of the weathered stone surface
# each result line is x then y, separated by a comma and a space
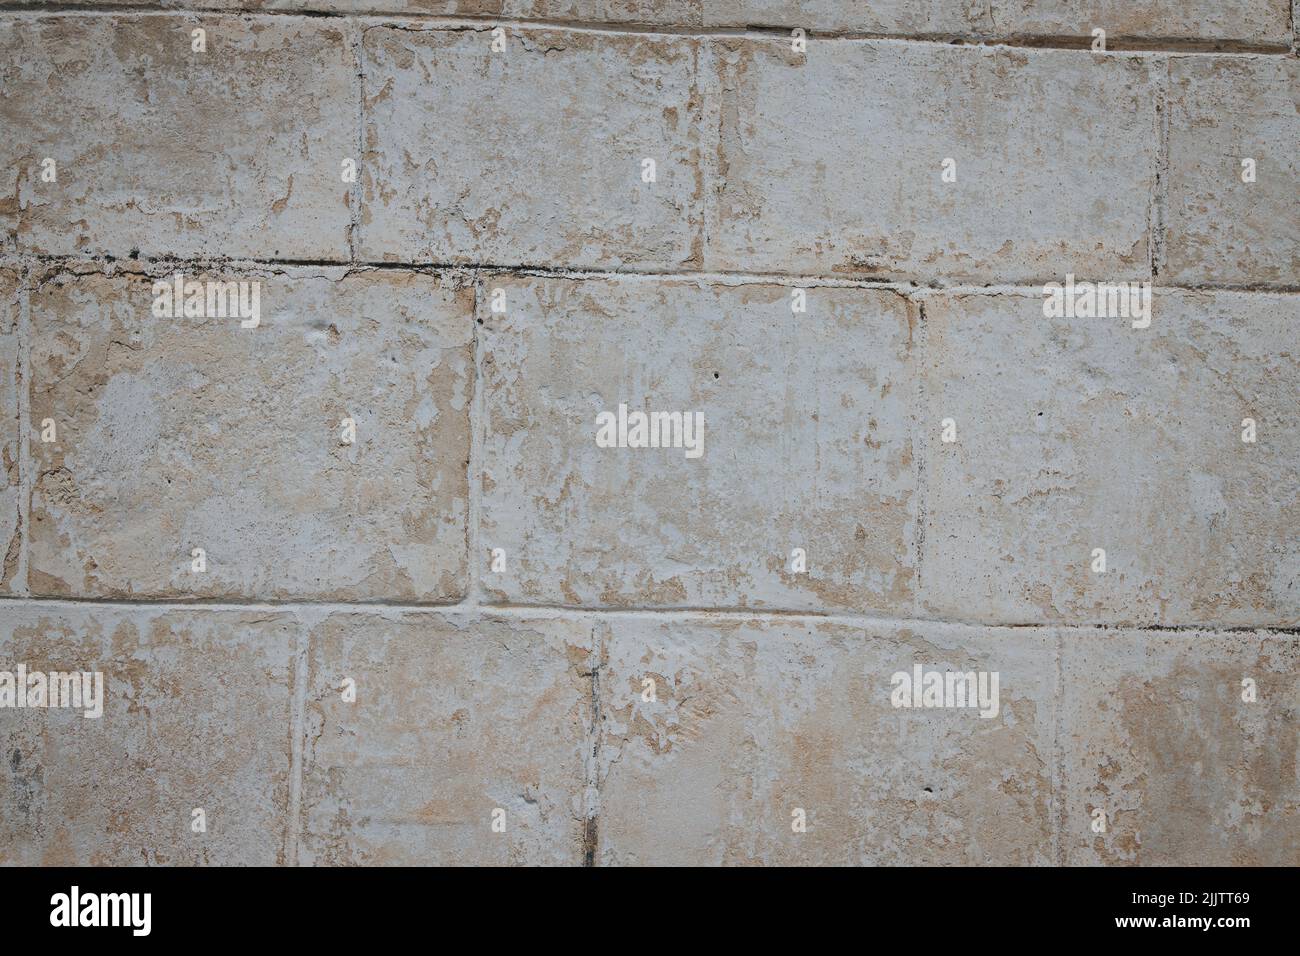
1220, 229
1264, 23
532, 155
1076, 434
753, 719
11, 530
361, 7
1260, 22
166, 151
196, 714
436, 7
849, 178
358, 7
913, 17
453, 719
184, 433
683, 13
1156, 734
807, 443
654, 713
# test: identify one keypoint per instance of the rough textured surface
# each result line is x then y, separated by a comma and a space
171, 152
853, 182
196, 715
433, 7
1075, 434
1221, 229
617, 648
517, 185
676, 12
1263, 23
1155, 733
807, 444
911, 17
175, 434
11, 530
1256, 21
452, 721
1259, 22
755, 719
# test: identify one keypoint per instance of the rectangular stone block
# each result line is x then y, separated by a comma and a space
1232, 118
534, 155
681, 13
453, 720
1080, 434
1262, 23
182, 433
432, 7
1187, 743
161, 150
359, 7
196, 708
744, 723
833, 162
904, 17
806, 444
451, 8
11, 530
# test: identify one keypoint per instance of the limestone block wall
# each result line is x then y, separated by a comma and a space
324, 330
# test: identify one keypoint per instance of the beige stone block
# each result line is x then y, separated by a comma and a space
453, 720
184, 433
751, 721
1156, 735
196, 714
806, 444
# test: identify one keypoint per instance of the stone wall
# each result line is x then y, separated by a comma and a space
309, 313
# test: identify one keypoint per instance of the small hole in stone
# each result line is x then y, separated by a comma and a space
928, 790
715, 375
